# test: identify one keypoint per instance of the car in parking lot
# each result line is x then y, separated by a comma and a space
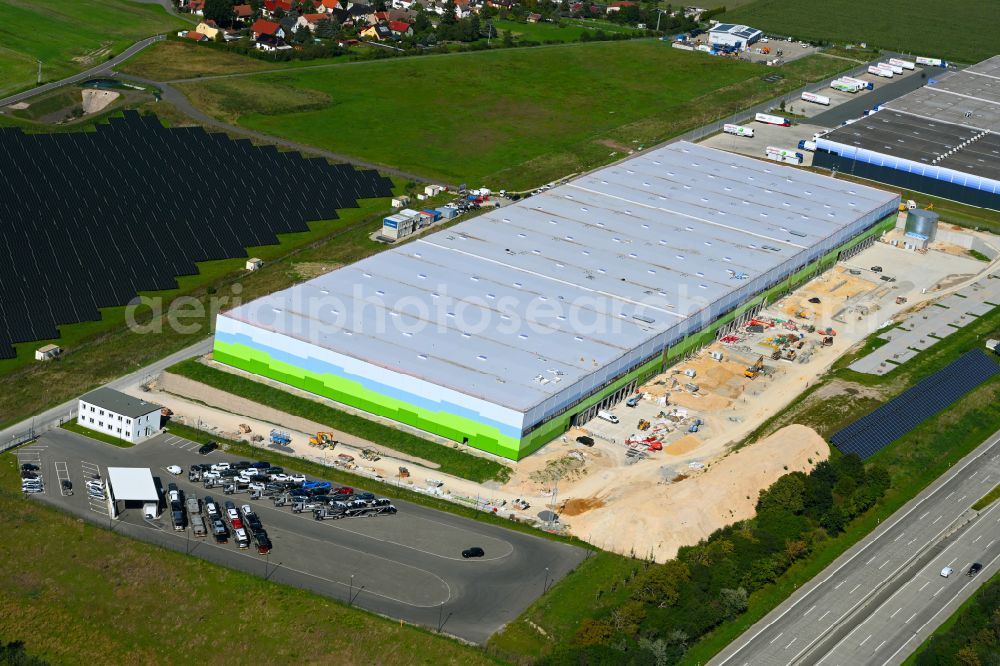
207, 448
29, 467
174, 469
219, 531
261, 465
219, 466
243, 464
271, 471
211, 507
242, 540
263, 542
297, 478
279, 476
368, 497
343, 490
475, 551
67, 487
974, 569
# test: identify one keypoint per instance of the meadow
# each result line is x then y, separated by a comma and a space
69, 36
511, 118
906, 26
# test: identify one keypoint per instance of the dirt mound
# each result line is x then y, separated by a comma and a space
575, 507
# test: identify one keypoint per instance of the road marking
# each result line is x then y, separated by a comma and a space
883, 564
907, 621
962, 498
977, 538
990, 544
871, 560
899, 537
824, 615
937, 519
923, 586
895, 611
809, 611
949, 494
938, 592
864, 641
879, 645
924, 515
952, 561
791, 641
911, 541
973, 474
985, 480
837, 586
775, 638
854, 588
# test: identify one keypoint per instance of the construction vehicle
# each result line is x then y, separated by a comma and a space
788, 354
696, 425
827, 341
643, 424
404, 473
323, 440
243, 428
280, 438
370, 454
752, 371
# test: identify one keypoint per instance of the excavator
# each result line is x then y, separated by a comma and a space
754, 370
323, 439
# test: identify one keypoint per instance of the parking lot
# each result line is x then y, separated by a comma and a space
408, 565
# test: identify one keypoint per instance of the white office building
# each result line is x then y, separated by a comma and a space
118, 415
729, 34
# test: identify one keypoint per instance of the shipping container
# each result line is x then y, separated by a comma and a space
905, 64
738, 130
816, 99
772, 120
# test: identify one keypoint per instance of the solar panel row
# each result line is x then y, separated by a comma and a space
903, 413
89, 219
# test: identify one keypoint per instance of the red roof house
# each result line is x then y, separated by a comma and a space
262, 27
400, 28
242, 11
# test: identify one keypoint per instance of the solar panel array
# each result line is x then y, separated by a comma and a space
89, 219
905, 412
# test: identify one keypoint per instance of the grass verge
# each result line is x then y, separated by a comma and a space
73, 426
450, 460
109, 596
969, 636
341, 476
987, 499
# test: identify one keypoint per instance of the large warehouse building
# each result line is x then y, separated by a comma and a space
942, 139
503, 330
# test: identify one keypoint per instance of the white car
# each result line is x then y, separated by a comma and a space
175, 469
174, 495
232, 515
297, 478
280, 477
247, 510
212, 509
210, 476
947, 571
218, 467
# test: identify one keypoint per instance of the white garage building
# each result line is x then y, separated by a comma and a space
731, 34
119, 415
133, 487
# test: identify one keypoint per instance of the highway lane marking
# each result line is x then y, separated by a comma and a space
883, 564
824, 615
989, 446
837, 586
900, 649
791, 641
871, 560
911, 541
990, 544
899, 537
924, 515
775, 638
938, 592
877, 648
962, 498
895, 611
854, 588
809, 611
977, 538
923, 586
937, 519
985, 480
864, 641
973, 474
907, 621
949, 494
952, 561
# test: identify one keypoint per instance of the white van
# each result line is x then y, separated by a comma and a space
607, 416
149, 510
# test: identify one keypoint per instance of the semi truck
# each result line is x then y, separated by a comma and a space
844, 86
805, 144
878, 71
931, 62
783, 155
905, 64
865, 85
768, 119
896, 69
816, 99
738, 130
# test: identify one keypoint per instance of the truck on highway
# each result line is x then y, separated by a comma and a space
879, 71
768, 119
905, 64
738, 130
805, 144
783, 155
816, 99
865, 85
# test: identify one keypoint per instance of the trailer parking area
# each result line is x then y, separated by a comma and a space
407, 566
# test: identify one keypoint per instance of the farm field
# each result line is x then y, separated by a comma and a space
513, 118
70, 35
897, 25
567, 30
80, 614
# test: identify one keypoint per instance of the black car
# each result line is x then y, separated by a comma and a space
253, 522
585, 440
368, 497
243, 464
28, 474
67, 486
298, 492
263, 542
974, 569
261, 465
28, 467
207, 448
274, 470
475, 551
229, 473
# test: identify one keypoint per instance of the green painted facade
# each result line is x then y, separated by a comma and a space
487, 438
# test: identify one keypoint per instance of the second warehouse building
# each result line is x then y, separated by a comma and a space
506, 329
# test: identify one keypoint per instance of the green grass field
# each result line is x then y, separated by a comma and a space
567, 30
513, 118
70, 35
79, 594
73, 426
919, 27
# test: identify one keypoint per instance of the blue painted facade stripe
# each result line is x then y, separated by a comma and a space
320, 367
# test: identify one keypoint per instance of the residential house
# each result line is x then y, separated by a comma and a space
208, 28
403, 4
341, 16
400, 29
504, 4
242, 12
378, 32
617, 6
310, 20
288, 24
327, 6
406, 15
377, 17
534, 18
262, 27
357, 13
196, 36
272, 6
270, 43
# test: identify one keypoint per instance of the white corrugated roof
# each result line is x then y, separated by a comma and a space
132, 484
518, 303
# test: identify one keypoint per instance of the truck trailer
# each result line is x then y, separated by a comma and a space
905, 64
896, 69
878, 71
783, 155
844, 86
738, 130
816, 99
865, 85
768, 119
931, 62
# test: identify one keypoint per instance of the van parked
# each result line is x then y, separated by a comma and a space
605, 415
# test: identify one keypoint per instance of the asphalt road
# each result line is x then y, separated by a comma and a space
406, 566
50, 418
861, 102
102, 69
883, 597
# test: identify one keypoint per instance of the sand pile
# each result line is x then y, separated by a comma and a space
95, 101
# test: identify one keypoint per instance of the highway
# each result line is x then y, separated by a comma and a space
880, 600
103, 69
